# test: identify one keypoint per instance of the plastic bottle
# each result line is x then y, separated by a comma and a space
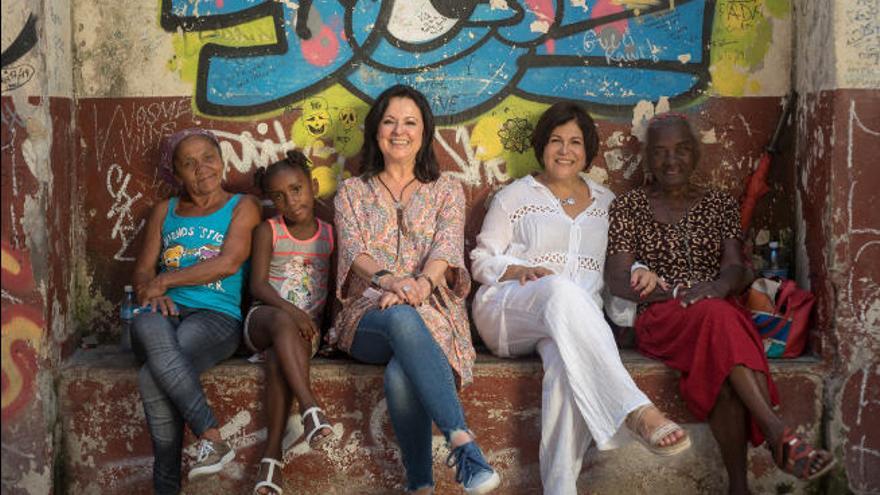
774, 256
126, 314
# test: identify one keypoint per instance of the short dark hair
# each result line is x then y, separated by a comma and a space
293, 160
559, 114
372, 161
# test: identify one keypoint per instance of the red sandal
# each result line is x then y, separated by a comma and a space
794, 455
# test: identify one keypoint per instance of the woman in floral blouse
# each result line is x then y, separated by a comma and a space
402, 284
691, 238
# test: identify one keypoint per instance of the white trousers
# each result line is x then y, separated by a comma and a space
586, 392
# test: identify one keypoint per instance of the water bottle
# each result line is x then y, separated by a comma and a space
774, 255
126, 314
774, 268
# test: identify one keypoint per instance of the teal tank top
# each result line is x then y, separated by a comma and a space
187, 241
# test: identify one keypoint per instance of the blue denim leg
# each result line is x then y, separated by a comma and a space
412, 426
177, 351
418, 381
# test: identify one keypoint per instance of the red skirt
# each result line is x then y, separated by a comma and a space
704, 342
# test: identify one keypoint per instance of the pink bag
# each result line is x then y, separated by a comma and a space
781, 311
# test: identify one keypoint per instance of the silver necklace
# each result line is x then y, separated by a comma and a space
569, 201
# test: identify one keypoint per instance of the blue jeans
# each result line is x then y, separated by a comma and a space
176, 350
419, 385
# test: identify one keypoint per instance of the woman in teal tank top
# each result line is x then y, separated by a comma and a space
188, 279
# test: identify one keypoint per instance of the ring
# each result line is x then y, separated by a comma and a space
406, 289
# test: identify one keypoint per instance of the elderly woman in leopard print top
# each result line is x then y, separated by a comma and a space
690, 237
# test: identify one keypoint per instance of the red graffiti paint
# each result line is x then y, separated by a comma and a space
608, 7
322, 49
543, 9
22, 329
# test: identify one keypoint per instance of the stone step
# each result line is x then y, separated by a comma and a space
106, 447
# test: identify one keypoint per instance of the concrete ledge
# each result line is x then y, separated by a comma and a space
106, 448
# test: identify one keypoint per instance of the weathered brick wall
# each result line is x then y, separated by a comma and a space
838, 76
37, 246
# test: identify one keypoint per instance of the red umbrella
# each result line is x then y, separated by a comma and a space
756, 187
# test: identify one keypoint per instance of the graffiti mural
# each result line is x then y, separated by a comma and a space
15, 76
22, 328
252, 57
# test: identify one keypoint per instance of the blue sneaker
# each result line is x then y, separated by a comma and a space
472, 471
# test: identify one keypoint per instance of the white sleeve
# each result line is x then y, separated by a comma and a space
490, 258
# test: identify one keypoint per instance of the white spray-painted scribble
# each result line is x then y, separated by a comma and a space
124, 229
472, 168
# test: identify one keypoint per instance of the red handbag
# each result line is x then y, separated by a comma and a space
781, 311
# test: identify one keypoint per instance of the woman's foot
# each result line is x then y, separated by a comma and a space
269, 477
472, 471
316, 427
797, 457
656, 432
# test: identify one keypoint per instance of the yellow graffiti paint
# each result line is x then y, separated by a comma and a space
741, 38
330, 123
504, 132
327, 180
18, 328
335, 116
188, 45
485, 139
9, 263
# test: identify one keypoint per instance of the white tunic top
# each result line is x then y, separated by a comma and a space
526, 225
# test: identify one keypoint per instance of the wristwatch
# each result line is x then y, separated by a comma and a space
374, 280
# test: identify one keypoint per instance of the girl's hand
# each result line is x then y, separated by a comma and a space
702, 290
304, 323
645, 281
162, 304
531, 273
388, 299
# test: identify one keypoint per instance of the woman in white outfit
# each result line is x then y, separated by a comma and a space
539, 257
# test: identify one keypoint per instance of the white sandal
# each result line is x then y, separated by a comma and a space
313, 412
270, 476
652, 441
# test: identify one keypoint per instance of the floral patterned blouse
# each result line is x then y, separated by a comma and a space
433, 228
687, 251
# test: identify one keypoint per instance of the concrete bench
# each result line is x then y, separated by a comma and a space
106, 447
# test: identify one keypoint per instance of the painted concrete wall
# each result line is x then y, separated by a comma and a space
838, 77
38, 159
270, 76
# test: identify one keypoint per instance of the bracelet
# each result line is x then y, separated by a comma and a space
636, 265
675, 290
374, 280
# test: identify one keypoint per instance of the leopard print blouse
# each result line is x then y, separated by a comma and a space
685, 251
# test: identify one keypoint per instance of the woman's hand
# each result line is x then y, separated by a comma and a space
525, 273
162, 304
407, 289
304, 323
388, 299
150, 290
645, 281
702, 290
532, 273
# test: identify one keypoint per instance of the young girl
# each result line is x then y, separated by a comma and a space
290, 267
